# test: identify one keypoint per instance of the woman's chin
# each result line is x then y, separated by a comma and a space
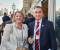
19, 22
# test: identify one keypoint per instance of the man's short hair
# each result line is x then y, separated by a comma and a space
26, 15
5, 13
38, 7
29, 14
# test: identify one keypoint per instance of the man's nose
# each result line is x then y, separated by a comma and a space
37, 13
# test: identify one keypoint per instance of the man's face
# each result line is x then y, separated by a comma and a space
38, 13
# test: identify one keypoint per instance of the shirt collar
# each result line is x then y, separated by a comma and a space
39, 21
16, 25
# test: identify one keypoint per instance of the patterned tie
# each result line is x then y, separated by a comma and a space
37, 40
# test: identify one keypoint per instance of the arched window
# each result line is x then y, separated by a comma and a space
25, 4
30, 4
25, 11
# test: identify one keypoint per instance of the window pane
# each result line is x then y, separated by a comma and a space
25, 4
57, 24
25, 11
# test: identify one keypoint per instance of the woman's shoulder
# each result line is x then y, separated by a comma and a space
9, 25
24, 24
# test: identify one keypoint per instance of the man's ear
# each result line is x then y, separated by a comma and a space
42, 12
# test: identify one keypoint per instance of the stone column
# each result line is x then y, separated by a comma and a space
51, 10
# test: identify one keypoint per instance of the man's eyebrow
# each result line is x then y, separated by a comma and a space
39, 11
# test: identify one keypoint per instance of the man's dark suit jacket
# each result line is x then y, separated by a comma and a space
5, 18
27, 21
32, 19
47, 35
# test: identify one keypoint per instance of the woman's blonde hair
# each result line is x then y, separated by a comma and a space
2, 26
13, 20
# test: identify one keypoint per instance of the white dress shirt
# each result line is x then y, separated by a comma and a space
40, 22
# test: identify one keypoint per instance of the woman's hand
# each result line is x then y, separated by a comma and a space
24, 48
17, 49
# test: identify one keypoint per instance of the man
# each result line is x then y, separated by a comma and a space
46, 17
41, 35
5, 18
10, 21
32, 19
26, 16
28, 19
58, 29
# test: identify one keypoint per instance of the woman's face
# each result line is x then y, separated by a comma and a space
18, 18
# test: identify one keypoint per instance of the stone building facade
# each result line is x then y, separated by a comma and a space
27, 5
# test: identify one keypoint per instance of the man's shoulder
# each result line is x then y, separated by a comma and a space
47, 21
3, 17
43, 20
32, 23
7, 16
27, 19
8, 22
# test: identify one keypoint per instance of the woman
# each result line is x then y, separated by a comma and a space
15, 34
2, 28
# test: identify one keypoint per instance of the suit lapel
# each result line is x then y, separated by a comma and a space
17, 33
32, 29
15, 29
24, 32
42, 26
